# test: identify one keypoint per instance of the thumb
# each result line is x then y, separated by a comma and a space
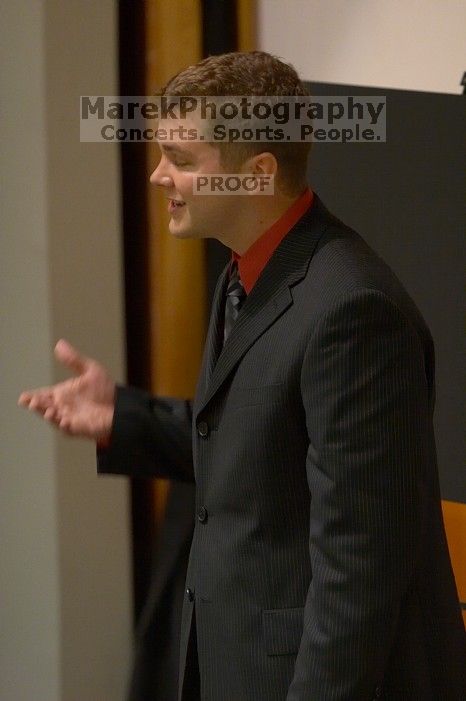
69, 356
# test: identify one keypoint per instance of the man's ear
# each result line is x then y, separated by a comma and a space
263, 164
263, 168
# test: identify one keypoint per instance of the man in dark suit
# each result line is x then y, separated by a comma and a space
319, 568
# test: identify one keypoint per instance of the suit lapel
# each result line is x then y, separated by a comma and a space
269, 298
214, 337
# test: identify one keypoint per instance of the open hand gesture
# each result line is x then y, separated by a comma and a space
81, 406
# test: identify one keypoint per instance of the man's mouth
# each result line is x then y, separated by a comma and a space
174, 205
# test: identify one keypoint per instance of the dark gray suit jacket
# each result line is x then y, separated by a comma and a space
319, 568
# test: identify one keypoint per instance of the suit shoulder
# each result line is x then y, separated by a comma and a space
343, 263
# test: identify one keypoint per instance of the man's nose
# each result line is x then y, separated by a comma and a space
160, 178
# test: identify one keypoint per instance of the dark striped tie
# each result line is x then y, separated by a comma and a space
236, 295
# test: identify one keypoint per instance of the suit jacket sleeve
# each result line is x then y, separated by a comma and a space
151, 437
366, 400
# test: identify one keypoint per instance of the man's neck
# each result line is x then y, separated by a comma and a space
255, 219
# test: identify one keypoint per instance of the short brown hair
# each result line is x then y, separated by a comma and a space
254, 73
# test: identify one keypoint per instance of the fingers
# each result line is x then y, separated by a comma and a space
43, 403
69, 356
37, 399
82, 418
24, 399
51, 414
60, 420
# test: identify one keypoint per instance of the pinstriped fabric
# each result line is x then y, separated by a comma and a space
316, 478
367, 472
213, 342
135, 447
282, 630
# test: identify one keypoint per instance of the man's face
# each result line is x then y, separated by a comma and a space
191, 216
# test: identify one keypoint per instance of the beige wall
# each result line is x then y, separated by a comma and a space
65, 613
406, 44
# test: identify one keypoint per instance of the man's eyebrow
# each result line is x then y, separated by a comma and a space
172, 147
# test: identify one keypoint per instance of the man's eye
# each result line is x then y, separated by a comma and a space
181, 164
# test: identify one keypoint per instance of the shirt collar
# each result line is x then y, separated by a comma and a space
252, 263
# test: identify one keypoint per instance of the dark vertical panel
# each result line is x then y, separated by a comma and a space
406, 198
135, 244
219, 27
219, 35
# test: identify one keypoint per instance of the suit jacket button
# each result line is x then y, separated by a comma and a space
190, 594
203, 429
202, 514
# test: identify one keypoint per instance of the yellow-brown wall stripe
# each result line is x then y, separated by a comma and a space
178, 297
246, 19
454, 514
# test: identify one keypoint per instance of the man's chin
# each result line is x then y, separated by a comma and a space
178, 230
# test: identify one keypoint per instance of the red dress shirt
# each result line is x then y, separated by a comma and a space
252, 263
